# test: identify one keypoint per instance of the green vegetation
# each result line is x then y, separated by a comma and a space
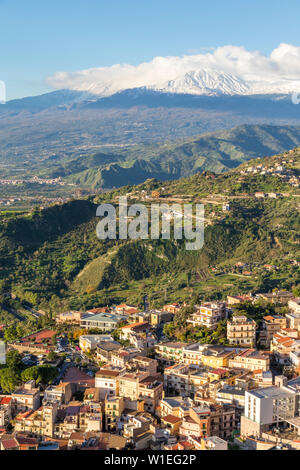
52, 259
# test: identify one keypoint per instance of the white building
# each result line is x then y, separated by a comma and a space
89, 342
294, 305
208, 314
268, 407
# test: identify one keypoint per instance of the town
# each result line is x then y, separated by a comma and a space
115, 378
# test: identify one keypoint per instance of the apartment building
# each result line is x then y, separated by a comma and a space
172, 308
269, 406
5, 410
107, 380
223, 420
208, 315
271, 324
241, 331
277, 297
160, 317
90, 418
176, 406
250, 359
238, 299
26, 397
170, 352
121, 357
40, 422
144, 364
283, 344
194, 353
294, 305
134, 328
207, 355
113, 409
196, 424
61, 394
103, 321
184, 380
150, 391
293, 319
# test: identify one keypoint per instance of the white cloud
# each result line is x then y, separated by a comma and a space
279, 72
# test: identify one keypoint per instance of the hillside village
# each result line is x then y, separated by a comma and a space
119, 382
216, 366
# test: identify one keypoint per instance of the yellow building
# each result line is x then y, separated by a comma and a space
114, 407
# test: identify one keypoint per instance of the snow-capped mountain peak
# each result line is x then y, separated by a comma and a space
205, 82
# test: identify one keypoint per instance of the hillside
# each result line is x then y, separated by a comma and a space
218, 152
53, 259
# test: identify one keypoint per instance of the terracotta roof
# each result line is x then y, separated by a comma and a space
10, 443
108, 373
171, 419
5, 400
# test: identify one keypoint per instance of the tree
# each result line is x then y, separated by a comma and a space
14, 361
47, 374
51, 356
32, 373
9, 380
296, 291
10, 334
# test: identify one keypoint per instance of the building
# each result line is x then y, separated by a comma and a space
241, 331
196, 424
183, 379
213, 443
107, 380
293, 319
113, 409
107, 349
144, 364
88, 343
61, 394
5, 411
269, 407
277, 297
176, 406
238, 299
208, 315
250, 359
172, 423
40, 422
170, 352
142, 386
172, 308
160, 317
134, 328
207, 355
294, 305
26, 398
283, 344
72, 317
150, 390
102, 321
271, 324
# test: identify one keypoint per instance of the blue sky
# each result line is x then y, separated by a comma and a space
41, 37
